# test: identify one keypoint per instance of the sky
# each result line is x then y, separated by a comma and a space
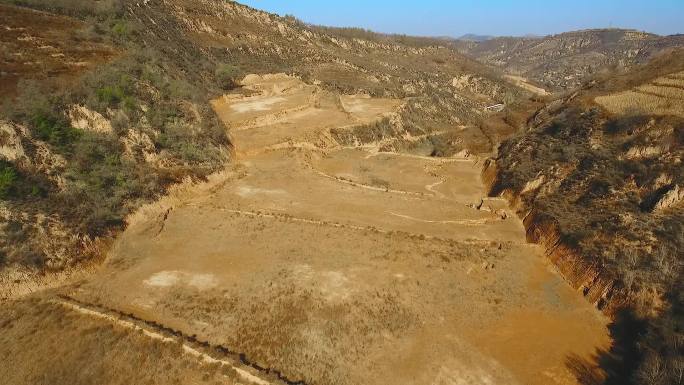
484, 17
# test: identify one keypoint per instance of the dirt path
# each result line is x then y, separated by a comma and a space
524, 83
343, 266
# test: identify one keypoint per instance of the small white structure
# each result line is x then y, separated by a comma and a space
495, 107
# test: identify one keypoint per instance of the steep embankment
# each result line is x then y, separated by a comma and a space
582, 274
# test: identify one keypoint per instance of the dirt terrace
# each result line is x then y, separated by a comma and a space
334, 265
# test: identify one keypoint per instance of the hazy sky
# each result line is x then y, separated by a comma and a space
486, 17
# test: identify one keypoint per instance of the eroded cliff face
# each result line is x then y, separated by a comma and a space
598, 286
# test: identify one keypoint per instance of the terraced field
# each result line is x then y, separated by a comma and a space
316, 263
663, 96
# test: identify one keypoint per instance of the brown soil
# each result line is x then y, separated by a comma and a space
336, 265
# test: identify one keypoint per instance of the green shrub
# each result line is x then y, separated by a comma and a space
110, 94
226, 75
8, 179
120, 29
114, 87
16, 185
54, 130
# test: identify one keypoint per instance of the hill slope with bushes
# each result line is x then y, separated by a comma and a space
602, 188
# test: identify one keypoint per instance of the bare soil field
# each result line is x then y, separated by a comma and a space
310, 262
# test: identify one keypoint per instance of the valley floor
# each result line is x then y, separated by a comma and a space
309, 261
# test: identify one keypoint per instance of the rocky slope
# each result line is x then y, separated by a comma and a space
565, 61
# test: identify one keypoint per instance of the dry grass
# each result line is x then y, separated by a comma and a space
42, 343
663, 96
670, 81
677, 76
630, 101
662, 91
39, 45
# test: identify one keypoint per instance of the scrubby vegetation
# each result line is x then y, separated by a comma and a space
365, 34
86, 180
101, 8
53, 129
226, 76
15, 185
8, 179
603, 176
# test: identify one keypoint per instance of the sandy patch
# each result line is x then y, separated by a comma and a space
261, 104
164, 279
524, 84
247, 191
355, 106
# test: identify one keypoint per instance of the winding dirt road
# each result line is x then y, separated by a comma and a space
337, 265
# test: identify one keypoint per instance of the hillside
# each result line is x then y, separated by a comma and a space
598, 179
565, 61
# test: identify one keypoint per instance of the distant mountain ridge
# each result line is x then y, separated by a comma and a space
475, 38
565, 61
480, 38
